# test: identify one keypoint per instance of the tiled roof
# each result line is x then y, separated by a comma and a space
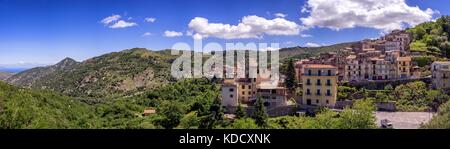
319, 66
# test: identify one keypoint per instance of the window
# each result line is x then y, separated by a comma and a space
249, 87
243, 86
243, 93
308, 92
318, 92
328, 93
319, 72
231, 95
328, 82
249, 93
231, 89
309, 72
329, 72
328, 102
308, 82
317, 101
319, 82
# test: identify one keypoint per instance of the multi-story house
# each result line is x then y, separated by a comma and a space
402, 37
319, 85
403, 67
440, 75
353, 70
272, 95
247, 89
229, 93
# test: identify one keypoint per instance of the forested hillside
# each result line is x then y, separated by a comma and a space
432, 38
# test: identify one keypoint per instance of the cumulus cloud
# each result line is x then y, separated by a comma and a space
280, 15
123, 24
249, 27
173, 34
150, 20
310, 44
385, 15
110, 19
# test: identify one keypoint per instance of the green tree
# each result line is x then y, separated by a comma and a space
171, 112
240, 113
442, 119
245, 123
359, 117
290, 80
214, 117
445, 48
260, 114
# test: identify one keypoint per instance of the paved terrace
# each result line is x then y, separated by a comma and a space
405, 120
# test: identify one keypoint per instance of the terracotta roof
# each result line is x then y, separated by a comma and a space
403, 58
319, 66
229, 82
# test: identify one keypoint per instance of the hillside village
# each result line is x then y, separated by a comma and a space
383, 61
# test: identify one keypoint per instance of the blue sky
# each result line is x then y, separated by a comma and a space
39, 32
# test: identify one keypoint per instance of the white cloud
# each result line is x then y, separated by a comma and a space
280, 15
249, 27
173, 34
122, 24
110, 19
151, 20
305, 35
147, 34
310, 44
385, 15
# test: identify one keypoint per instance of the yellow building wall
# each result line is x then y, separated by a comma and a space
323, 89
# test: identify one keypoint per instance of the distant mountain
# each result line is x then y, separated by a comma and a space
5, 75
113, 74
305, 52
31, 76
